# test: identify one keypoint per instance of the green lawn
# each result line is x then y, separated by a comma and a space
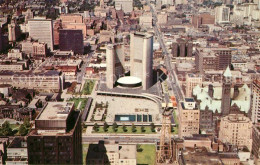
85, 151
15, 126
77, 101
88, 87
175, 118
148, 155
129, 130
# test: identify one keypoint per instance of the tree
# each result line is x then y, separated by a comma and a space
133, 128
142, 129
152, 127
6, 129
95, 127
105, 127
115, 126
139, 148
23, 130
124, 128
26, 122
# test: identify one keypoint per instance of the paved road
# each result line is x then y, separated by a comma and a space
81, 74
172, 78
135, 140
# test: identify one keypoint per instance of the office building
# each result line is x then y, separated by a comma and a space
56, 32
222, 14
226, 90
71, 18
202, 19
256, 143
45, 81
70, 39
182, 48
255, 110
15, 54
212, 59
1, 41
236, 129
192, 81
146, 20
56, 138
125, 5
74, 21
224, 56
141, 58
189, 118
13, 31
34, 48
42, 30
115, 60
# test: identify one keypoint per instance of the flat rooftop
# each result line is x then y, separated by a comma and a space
127, 151
56, 111
17, 143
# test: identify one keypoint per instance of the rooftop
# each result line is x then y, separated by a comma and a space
129, 80
56, 111
18, 142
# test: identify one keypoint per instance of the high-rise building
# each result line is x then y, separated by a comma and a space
56, 32
192, 80
226, 89
255, 110
56, 138
182, 48
222, 14
141, 58
224, 56
256, 143
42, 30
115, 60
125, 5
212, 59
13, 31
71, 39
1, 42
236, 129
189, 118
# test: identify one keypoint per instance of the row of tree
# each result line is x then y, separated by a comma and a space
115, 127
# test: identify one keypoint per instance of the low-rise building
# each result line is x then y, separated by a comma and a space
17, 152
48, 81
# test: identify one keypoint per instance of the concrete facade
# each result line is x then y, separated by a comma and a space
237, 130
189, 118
42, 30
125, 5
115, 64
141, 58
255, 110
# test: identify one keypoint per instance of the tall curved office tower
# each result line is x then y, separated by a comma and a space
141, 58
